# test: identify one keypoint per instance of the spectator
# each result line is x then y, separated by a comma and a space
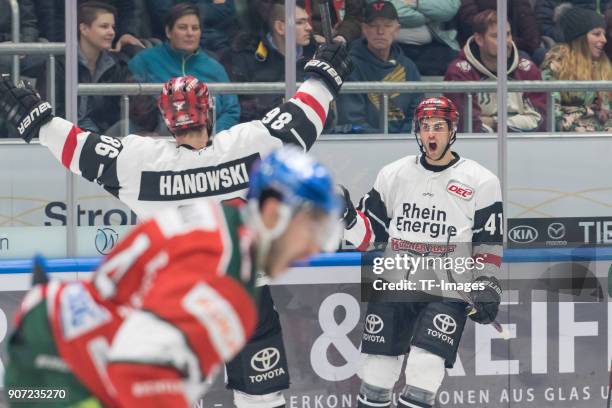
548, 13
581, 58
218, 24
377, 57
181, 55
97, 64
477, 62
264, 60
52, 21
522, 19
345, 29
424, 35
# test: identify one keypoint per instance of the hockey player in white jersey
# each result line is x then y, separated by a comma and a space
150, 174
436, 198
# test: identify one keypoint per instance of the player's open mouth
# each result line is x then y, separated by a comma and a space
432, 146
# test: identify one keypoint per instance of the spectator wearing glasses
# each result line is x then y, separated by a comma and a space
263, 60
581, 58
181, 55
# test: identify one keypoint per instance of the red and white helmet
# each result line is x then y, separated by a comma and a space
437, 107
186, 104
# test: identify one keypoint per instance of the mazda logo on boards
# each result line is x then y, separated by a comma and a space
556, 230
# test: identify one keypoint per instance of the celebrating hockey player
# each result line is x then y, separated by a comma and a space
466, 200
149, 174
184, 281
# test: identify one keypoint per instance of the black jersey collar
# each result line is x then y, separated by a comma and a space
438, 169
190, 147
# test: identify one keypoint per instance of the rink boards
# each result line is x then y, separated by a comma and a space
558, 356
562, 345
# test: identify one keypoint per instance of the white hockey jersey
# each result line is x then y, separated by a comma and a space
419, 208
148, 174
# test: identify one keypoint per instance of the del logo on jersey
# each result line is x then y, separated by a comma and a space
460, 190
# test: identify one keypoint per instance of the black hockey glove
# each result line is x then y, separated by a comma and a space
486, 300
332, 64
22, 107
349, 216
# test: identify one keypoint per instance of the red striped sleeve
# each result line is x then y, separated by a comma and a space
368, 235
70, 146
313, 103
489, 258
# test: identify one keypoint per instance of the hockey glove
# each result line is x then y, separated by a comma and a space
349, 216
332, 64
22, 107
486, 300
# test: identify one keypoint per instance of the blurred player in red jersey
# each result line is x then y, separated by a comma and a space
176, 298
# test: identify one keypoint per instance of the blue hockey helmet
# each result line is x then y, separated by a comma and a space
300, 182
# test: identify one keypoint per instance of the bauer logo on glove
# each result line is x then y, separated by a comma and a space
331, 63
31, 118
326, 67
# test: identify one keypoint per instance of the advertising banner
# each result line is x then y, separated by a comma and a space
558, 315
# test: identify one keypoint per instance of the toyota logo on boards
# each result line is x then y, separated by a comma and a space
445, 323
265, 360
373, 324
523, 234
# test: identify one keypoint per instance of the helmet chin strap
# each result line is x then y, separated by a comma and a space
453, 137
266, 236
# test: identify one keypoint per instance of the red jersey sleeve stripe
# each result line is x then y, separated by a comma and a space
490, 259
70, 146
313, 103
368, 234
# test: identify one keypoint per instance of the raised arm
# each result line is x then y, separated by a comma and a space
300, 120
85, 153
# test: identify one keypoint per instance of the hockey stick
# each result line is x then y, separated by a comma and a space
466, 298
326, 25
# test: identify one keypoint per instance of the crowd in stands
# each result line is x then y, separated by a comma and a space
391, 41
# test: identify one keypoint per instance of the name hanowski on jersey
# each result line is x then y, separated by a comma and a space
199, 182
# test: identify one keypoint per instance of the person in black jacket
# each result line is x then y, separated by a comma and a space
264, 61
97, 64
